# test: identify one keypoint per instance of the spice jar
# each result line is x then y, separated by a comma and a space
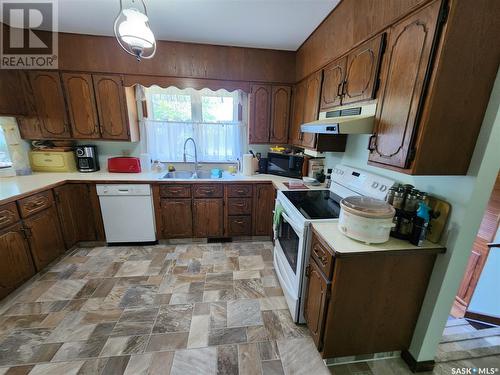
399, 197
389, 198
411, 201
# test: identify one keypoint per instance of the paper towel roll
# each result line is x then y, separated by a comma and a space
248, 165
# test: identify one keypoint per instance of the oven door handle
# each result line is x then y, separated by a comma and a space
292, 224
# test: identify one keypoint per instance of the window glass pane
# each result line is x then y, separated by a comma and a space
217, 108
168, 107
4, 151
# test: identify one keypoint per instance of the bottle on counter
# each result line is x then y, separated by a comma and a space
421, 224
328, 178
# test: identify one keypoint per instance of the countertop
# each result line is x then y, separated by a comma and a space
12, 188
343, 245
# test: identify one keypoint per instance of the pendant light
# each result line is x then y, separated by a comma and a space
133, 32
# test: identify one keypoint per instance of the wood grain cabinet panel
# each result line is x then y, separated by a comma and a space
363, 65
239, 226
333, 84
315, 308
323, 256
237, 190
111, 107
50, 105
208, 190
16, 266
239, 206
295, 135
175, 191
75, 213
311, 107
176, 218
208, 217
263, 206
280, 114
44, 236
405, 64
260, 110
12, 100
35, 203
79, 92
8, 214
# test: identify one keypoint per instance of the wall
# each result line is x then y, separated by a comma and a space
468, 196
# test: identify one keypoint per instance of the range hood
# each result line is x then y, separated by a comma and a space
343, 120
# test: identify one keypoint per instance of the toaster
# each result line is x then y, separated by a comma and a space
123, 164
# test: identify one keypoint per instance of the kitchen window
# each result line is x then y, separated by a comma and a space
212, 118
5, 161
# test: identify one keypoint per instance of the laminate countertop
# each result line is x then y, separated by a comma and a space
12, 188
345, 246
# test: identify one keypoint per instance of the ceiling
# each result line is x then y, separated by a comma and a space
276, 24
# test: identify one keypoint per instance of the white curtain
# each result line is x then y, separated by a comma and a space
215, 142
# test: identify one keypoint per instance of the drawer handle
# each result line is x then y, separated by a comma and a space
6, 218
36, 204
241, 191
239, 204
239, 222
207, 191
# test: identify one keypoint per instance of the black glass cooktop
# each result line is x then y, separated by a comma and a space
315, 204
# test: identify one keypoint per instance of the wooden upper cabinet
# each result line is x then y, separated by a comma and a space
315, 308
263, 205
363, 65
79, 92
333, 83
404, 67
208, 219
111, 107
295, 136
260, 113
16, 266
50, 105
311, 107
280, 114
12, 101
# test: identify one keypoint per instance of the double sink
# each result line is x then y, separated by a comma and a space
187, 175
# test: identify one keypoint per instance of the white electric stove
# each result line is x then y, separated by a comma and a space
303, 207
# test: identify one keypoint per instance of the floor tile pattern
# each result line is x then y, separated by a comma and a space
164, 309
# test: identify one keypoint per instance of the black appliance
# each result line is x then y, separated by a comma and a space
288, 165
86, 158
315, 204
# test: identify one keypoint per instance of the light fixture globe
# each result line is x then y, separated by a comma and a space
133, 32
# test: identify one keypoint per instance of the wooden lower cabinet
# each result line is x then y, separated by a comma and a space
44, 236
372, 302
16, 266
208, 217
76, 215
263, 205
318, 291
176, 218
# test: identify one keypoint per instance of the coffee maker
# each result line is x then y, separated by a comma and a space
86, 158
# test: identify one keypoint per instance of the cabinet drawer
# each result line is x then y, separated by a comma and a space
207, 191
175, 191
35, 203
239, 190
322, 255
8, 214
239, 225
239, 206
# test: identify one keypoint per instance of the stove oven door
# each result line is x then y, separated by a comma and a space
288, 260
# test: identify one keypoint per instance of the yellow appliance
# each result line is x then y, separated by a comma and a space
53, 161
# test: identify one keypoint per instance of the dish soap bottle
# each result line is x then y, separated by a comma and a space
421, 224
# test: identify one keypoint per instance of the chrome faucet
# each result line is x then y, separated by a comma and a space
195, 154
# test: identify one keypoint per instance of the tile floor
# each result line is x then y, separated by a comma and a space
165, 309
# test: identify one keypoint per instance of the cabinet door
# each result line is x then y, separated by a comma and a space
260, 110
111, 107
280, 114
263, 206
316, 302
176, 218
45, 238
333, 83
295, 136
50, 105
75, 213
363, 66
12, 101
79, 91
403, 76
16, 266
208, 217
311, 107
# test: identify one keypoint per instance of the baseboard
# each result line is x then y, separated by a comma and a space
414, 365
491, 319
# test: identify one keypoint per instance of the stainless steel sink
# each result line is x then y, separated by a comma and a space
187, 175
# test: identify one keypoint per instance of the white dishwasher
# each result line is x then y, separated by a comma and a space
127, 212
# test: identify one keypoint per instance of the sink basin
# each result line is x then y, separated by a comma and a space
187, 175
180, 174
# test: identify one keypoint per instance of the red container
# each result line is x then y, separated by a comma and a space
122, 164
